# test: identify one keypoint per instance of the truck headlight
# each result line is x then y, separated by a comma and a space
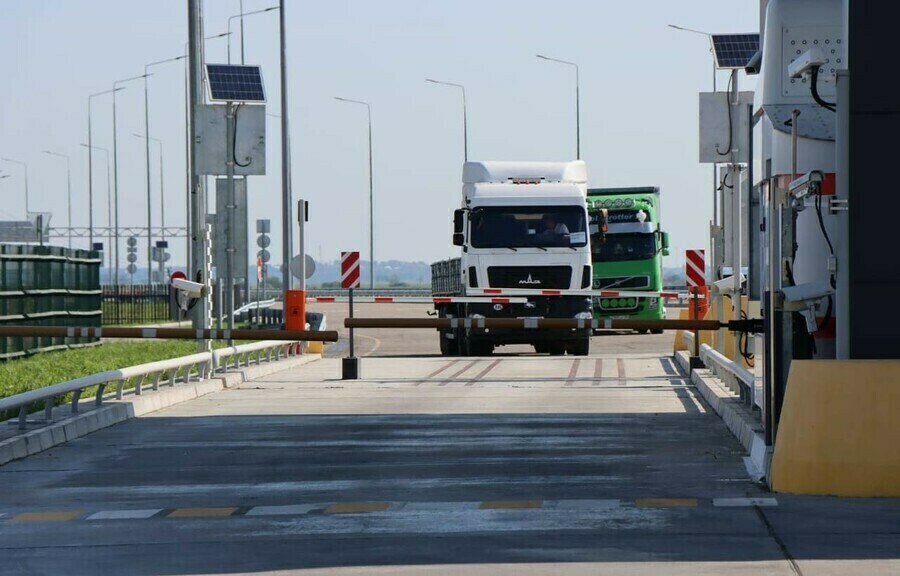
476, 316
583, 316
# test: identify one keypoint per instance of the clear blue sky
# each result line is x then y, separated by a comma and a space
639, 81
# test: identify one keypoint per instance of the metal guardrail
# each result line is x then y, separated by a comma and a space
245, 352
197, 367
731, 373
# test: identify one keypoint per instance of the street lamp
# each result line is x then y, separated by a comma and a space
90, 147
465, 120
577, 102
241, 16
116, 168
709, 36
162, 195
147, 152
25, 168
68, 190
108, 204
371, 195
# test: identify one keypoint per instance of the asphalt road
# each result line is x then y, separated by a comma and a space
510, 464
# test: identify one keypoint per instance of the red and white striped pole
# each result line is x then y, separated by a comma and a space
349, 281
695, 271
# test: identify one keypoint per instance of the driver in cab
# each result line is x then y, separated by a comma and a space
553, 230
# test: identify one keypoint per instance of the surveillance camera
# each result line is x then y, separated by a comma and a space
807, 292
192, 289
806, 62
726, 285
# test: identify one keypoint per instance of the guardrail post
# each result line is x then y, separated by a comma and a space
269, 355
48, 408
98, 400
120, 384
156, 377
172, 377
187, 374
76, 396
139, 385
23, 417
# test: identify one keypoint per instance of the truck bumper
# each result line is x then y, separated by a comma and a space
560, 307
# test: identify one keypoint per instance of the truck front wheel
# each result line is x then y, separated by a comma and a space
581, 347
449, 346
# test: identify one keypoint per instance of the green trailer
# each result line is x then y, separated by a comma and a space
627, 246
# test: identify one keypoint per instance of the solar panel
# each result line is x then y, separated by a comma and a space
734, 50
232, 83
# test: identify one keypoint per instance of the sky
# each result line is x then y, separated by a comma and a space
639, 85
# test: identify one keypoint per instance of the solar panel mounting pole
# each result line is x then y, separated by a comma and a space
734, 102
287, 243
230, 208
197, 230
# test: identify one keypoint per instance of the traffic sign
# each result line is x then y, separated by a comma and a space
132, 241
264, 254
263, 241
349, 269
131, 257
177, 275
695, 267
131, 268
310, 266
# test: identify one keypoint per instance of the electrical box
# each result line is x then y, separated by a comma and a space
715, 127
249, 145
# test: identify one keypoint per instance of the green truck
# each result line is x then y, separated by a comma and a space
627, 246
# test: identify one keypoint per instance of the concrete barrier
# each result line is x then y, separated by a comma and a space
839, 432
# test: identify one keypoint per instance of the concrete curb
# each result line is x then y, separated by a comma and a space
737, 417
115, 411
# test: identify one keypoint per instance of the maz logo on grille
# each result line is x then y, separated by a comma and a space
529, 280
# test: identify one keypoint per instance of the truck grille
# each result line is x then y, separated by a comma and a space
621, 282
537, 278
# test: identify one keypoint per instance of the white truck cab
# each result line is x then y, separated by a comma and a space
522, 226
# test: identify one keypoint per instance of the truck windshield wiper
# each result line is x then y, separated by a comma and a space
541, 248
510, 248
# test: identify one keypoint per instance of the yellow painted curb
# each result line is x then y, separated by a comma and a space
839, 432
510, 504
315, 347
357, 507
45, 516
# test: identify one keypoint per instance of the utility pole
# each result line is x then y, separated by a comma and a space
286, 220
198, 187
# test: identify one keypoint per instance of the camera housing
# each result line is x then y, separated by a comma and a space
192, 289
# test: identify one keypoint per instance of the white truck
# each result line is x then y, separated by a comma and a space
523, 230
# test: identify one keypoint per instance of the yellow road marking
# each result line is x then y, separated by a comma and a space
357, 507
201, 512
510, 504
665, 502
45, 516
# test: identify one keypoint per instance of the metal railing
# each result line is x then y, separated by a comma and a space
196, 367
737, 378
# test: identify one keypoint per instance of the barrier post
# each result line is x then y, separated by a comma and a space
694, 294
350, 280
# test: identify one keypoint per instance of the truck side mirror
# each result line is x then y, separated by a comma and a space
459, 239
665, 243
458, 222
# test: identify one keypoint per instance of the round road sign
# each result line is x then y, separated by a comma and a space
132, 241
310, 266
131, 268
132, 257
263, 241
264, 255
177, 275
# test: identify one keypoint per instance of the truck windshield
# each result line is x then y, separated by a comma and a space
543, 226
620, 247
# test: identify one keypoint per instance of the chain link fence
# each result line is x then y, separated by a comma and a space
47, 286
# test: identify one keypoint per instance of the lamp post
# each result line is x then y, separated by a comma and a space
162, 188
68, 191
371, 193
90, 147
241, 16
116, 169
708, 35
577, 101
465, 119
147, 156
108, 204
25, 168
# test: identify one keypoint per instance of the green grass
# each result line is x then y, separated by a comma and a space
40, 370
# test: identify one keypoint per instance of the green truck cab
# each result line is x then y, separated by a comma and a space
627, 246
